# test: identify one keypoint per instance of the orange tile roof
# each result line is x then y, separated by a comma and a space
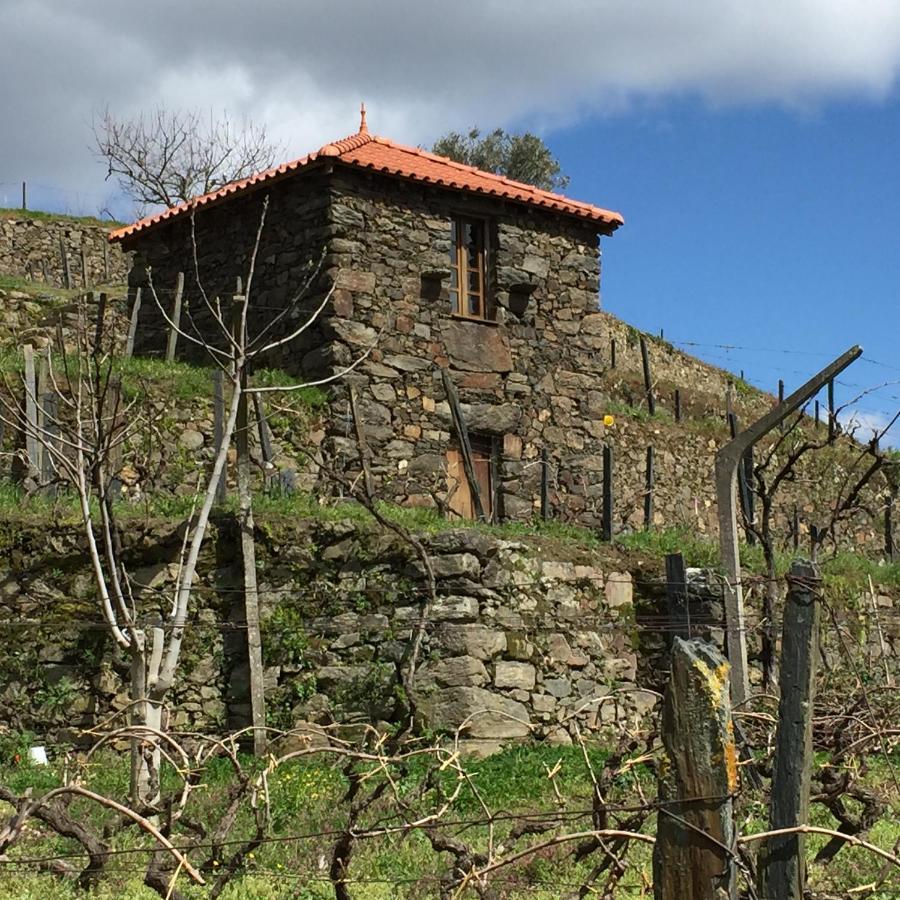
368, 151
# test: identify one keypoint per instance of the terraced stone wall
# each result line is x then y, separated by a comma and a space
33, 249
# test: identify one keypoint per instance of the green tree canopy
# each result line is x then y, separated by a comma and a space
522, 157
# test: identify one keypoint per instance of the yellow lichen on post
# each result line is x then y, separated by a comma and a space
698, 778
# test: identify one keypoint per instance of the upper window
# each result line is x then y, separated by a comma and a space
468, 284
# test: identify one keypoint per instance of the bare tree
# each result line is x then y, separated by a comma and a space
82, 440
167, 157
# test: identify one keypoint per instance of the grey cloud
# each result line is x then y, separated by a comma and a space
421, 67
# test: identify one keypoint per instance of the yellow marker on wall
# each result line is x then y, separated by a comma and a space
609, 420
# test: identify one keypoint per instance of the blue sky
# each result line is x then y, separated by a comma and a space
760, 227
752, 147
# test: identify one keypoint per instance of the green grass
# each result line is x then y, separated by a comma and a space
308, 797
41, 216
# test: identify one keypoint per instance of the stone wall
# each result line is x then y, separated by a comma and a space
287, 266
33, 248
527, 643
529, 637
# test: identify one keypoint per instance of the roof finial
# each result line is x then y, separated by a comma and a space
363, 128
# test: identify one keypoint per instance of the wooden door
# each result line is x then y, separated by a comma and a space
461, 500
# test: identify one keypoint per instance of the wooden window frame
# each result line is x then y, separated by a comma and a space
459, 265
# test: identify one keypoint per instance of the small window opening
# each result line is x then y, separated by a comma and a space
468, 269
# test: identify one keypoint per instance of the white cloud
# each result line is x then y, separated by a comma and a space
303, 67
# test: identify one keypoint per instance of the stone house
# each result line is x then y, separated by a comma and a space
448, 270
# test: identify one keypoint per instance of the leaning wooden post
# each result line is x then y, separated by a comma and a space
606, 522
728, 459
782, 863
133, 324
175, 316
247, 526
694, 854
648, 382
648, 491
462, 432
265, 439
362, 444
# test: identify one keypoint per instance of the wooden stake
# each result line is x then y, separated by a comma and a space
889, 527
648, 490
545, 484
831, 421
606, 527
84, 269
175, 316
612, 353
782, 864
133, 324
98, 326
677, 405
694, 854
648, 383
32, 445
219, 427
677, 598
67, 274
248, 549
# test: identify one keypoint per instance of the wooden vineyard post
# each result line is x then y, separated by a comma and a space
889, 526
648, 491
648, 382
98, 325
694, 854
782, 863
677, 405
84, 269
32, 444
248, 544
831, 421
545, 485
175, 316
606, 527
612, 353
219, 426
677, 597
133, 324
781, 397
64, 258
